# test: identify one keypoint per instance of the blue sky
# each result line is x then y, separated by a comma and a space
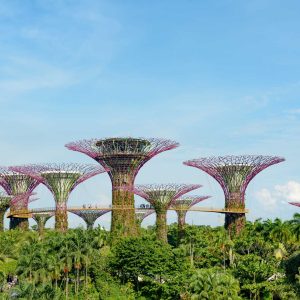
220, 77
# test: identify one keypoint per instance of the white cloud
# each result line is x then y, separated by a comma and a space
267, 199
289, 191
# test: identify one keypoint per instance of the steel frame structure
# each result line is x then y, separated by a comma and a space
234, 173
182, 206
16, 184
61, 179
89, 216
124, 157
162, 196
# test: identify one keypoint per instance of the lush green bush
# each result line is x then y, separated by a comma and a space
261, 263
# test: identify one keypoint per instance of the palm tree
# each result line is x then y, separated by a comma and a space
209, 284
280, 231
295, 222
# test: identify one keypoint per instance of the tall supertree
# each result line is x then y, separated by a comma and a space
234, 173
4, 205
41, 219
60, 179
181, 206
16, 184
89, 215
161, 197
124, 157
140, 215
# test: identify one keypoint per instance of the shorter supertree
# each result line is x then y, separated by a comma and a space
89, 215
4, 205
16, 184
162, 196
181, 206
41, 219
140, 215
19, 213
60, 179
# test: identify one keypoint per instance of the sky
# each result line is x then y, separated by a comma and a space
220, 77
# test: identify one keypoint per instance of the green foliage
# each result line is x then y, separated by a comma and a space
209, 284
263, 262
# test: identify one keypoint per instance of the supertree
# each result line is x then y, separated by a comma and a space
161, 197
16, 184
41, 219
124, 157
60, 179
181, 206
4, 205
234, 173
89, 215
140, 215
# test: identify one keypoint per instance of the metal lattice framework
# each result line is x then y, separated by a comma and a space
124, 157
16, 184
143, 214
234, 173
295, 203
181, 206
19, 205
4, 205
162, 196
41, 219
60, 179
89, 216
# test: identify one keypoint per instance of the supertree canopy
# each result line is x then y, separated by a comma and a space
41, 219
234, 173
60, 179
162, 196
295, 203
140, 215
16, 184
123, 157
181, 206
89, 215
4, 205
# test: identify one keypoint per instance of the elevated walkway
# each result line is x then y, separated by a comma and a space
28, 213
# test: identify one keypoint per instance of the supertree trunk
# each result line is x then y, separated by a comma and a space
40, 226
89, 225
2, 214
161, 225
61, 216
235, 222
123, 213
19, 223
181, 224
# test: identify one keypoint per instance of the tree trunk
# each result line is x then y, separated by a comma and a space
61, 217
123, 213
181, 224
19, 223
161, 225
235, 222
2, 213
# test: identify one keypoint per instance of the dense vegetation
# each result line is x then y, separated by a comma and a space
261, 263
